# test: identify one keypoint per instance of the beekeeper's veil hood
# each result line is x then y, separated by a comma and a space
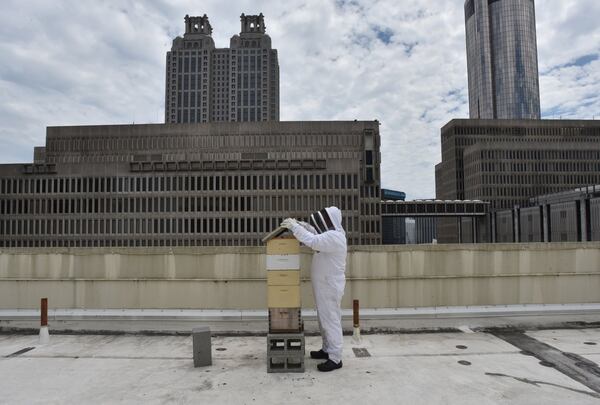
327, 219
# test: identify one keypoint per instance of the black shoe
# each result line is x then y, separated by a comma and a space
319, 355
329, 365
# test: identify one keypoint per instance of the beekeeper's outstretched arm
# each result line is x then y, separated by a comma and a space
330, 241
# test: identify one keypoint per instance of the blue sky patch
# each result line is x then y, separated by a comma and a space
579, 62
384, 34
409, 47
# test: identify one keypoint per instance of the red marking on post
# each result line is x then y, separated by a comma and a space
355, 313
44, 313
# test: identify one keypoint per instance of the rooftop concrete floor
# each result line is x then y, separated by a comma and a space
402, 369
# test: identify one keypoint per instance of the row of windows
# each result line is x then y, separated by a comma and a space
187, 64
544, 180
250, 63
160, 240
251, 114
558, 131
223, 141
285, 203
93, 233
220, 52
193, 115
178, 183
146, 226
533, 166
189, 98
540, 154
180, 162
199, 65
251, 98
251, 44
250, 81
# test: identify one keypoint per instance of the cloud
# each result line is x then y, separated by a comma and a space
400, 61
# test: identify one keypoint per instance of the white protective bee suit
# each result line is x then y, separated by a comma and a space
328, 277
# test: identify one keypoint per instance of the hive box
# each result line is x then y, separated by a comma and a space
285, 320
283, 277
283, 246
283, 270
283, 262
287, 296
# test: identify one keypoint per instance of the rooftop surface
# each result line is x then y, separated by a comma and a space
424, 368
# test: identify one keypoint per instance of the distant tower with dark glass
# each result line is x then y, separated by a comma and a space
502, 59
206, 84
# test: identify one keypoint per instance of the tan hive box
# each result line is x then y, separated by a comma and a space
283, 246
283, 277
283, 270
283, 296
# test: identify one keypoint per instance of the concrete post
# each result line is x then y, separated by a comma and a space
44, 336
356, 322
516, 225
584, 220
546, 219
202, 346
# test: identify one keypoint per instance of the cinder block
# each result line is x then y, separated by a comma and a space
283, 246
283, 277
202, 346
285, 320
285, 344
285, 364
283, 296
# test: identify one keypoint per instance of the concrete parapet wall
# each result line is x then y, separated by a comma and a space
235, 278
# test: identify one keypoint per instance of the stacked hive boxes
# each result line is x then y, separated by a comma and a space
285, 341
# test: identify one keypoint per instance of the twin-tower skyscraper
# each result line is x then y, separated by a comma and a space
207, 84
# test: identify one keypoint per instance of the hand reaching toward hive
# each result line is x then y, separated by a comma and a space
289, 223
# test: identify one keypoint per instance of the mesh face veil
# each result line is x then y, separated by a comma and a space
321, 221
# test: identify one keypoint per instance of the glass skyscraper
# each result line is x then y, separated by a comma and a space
502, 59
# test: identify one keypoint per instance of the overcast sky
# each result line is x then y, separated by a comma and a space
400, 61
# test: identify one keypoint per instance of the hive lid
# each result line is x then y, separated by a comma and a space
280, 230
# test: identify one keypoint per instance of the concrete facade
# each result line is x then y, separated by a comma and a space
214, 184
205, 84
234, 278
502, 59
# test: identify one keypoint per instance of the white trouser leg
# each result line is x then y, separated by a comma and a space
318, 294
330, 317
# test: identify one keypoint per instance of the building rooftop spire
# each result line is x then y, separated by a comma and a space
252, 24
197, 25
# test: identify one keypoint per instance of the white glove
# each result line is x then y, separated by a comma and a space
289, 223
308, 227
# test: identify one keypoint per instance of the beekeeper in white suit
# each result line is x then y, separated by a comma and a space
327, 238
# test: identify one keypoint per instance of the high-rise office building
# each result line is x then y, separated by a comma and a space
508, 162
206, 84
502, 59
